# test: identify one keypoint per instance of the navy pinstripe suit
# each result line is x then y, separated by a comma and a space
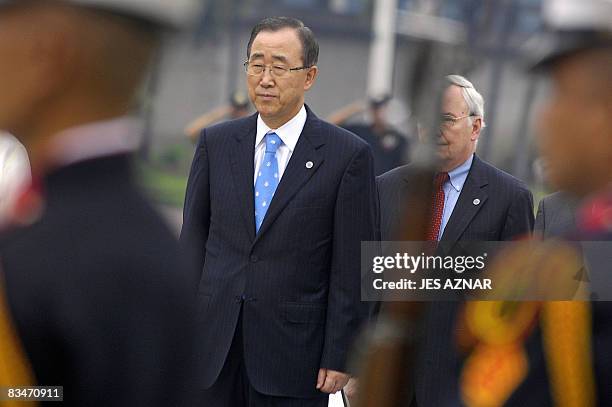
504, 211
297, 281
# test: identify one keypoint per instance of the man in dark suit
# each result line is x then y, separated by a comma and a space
97, 290
556, 215
473, 201
277, 204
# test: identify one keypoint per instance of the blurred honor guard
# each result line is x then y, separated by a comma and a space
570, 364
389, 146
237, 107
14, 172
94, 282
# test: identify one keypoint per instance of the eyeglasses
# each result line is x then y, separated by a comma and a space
447, 122
278, 71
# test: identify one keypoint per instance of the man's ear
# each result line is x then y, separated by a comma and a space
311, 76
476, 128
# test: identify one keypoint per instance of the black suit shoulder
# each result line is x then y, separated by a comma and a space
223, 128
218, 132
391, 177
480, 169
497, 176
344, 135
344, 145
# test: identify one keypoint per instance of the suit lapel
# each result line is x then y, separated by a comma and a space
297, 172
465, 209
241, 159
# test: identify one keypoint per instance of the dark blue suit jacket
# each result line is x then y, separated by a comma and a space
298, 279
505, 212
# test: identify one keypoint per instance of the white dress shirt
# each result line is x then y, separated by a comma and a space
14, 172
289, 133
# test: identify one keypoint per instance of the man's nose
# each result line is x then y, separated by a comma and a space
267, 80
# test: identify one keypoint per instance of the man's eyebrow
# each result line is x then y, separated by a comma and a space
281, 58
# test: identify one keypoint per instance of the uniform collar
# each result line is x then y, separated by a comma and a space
93, 140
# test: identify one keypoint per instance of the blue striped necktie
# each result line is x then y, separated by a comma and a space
267, 179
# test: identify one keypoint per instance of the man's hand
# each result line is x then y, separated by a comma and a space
330, 381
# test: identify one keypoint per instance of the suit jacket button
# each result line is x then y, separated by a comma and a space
254, 259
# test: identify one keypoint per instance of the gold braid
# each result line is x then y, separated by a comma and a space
566, 331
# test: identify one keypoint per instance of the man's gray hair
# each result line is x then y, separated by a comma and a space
473, 99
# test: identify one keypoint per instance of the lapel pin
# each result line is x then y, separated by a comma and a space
309, 164
476, 201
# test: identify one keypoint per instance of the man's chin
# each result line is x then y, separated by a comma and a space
266, 109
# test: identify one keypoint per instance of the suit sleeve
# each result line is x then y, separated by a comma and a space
520, 220
196, 212
355, 220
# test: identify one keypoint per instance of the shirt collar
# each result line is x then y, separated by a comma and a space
289, 132
459, 174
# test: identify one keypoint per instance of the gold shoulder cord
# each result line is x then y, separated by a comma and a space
566, 333
14, 366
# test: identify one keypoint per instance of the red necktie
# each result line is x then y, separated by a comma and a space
437, 206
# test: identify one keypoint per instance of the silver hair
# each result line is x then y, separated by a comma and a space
473, 99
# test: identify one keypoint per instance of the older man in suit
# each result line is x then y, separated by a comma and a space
277, 204
473, 201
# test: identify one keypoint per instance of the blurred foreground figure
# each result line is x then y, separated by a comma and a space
93, 280
568, 357
579, 156
14, 172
